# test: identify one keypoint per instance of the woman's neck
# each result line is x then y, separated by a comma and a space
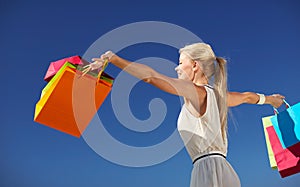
200, 81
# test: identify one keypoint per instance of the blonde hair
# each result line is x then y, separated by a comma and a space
204, 55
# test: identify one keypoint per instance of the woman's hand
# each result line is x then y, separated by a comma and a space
106, 56
276, 100
98, 63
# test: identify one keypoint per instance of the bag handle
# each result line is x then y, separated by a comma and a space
101, 71
287, 105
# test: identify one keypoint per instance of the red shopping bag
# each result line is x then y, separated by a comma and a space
288, 160
55, 66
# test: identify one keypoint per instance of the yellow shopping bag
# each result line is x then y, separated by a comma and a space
267, 123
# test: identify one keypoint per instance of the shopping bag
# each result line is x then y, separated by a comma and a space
54, 79
288, 160
267, 123
287, 124
55, 66
69, 101
106, 79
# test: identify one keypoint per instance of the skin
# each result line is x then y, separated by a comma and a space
189, 83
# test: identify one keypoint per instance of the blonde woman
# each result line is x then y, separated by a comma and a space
202, 122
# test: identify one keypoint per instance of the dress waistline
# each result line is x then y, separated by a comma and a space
210, 154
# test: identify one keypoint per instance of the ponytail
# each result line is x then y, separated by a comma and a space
220, 86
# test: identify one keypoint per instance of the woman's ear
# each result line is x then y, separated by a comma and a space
195, 66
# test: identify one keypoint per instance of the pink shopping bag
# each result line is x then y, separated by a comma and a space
55, 66
288, 160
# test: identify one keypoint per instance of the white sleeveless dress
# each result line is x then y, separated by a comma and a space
202, 136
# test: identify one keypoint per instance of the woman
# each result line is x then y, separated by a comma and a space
202, 122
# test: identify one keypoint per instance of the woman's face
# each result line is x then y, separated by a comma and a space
185, 68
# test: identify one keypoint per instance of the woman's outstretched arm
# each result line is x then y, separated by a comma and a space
143, 72
237, 98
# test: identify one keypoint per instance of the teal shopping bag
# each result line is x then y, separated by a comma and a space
287, 125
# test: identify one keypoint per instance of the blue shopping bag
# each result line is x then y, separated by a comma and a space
287, 125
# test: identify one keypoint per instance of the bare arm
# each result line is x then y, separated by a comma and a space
171, 85
237, 98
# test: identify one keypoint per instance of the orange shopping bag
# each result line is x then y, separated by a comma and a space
70, 100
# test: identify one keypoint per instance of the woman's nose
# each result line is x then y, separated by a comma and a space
177, 68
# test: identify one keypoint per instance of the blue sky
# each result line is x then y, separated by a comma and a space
259, 38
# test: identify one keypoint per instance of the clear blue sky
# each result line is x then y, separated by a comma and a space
260, 39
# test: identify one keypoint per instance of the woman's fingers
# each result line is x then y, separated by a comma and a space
96, 59
279, 96
277, 100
